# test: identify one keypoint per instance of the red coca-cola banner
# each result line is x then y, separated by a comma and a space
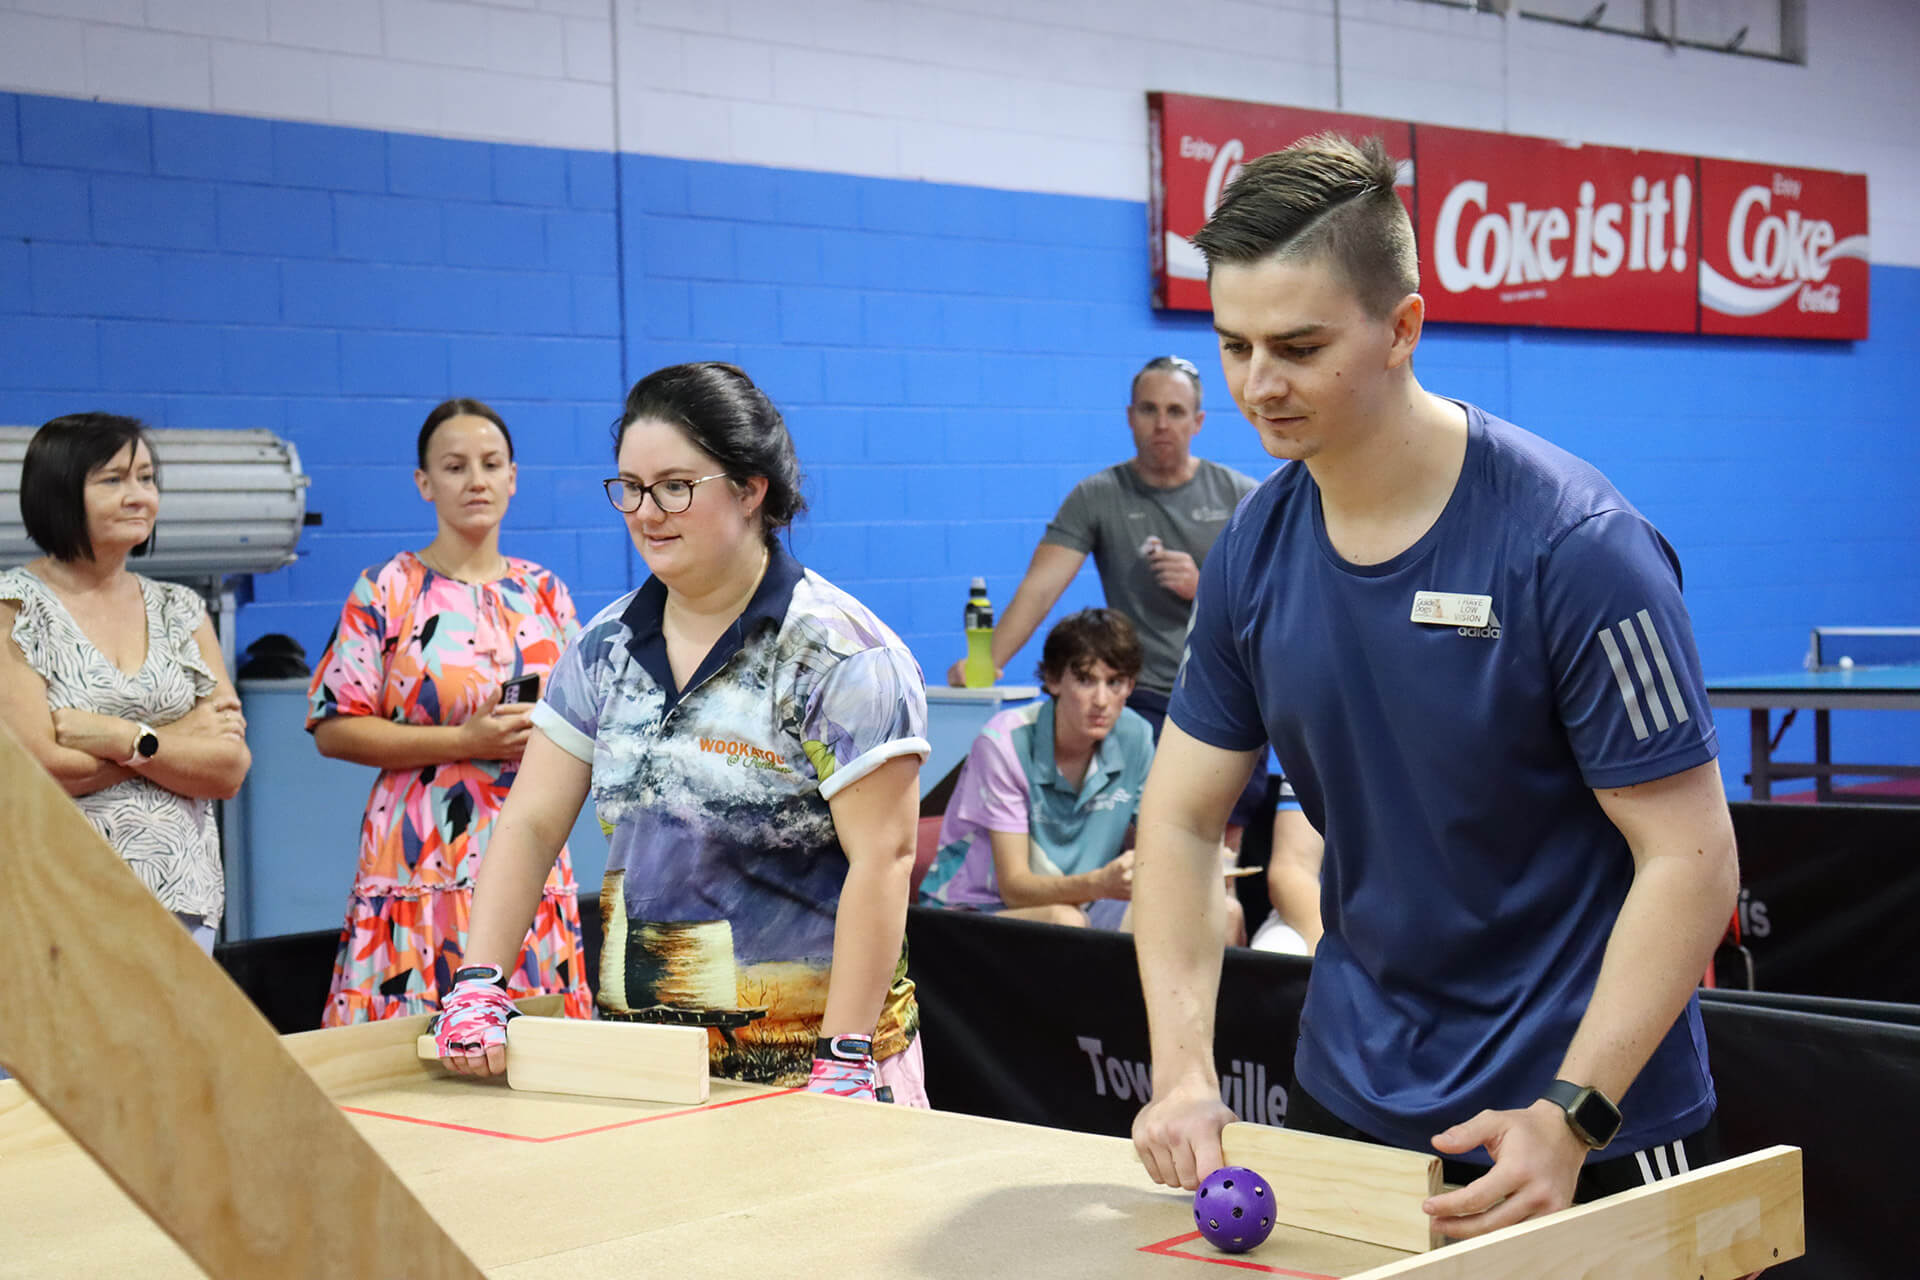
1785, 251
1198, 145
1518, 230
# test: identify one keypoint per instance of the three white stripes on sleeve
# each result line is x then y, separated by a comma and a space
1630, 693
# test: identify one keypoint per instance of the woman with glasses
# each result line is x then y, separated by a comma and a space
751, 736
430, 678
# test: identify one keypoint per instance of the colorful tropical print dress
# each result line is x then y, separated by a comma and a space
421, 648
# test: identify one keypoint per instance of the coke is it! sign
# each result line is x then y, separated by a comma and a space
1529, 231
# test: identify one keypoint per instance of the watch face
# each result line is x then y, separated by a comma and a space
1598, 1118
147, 745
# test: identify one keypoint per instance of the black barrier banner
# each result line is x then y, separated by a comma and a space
1829, 900
1047, 1025
1843, 1091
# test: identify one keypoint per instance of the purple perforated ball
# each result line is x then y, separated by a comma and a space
1234, 1209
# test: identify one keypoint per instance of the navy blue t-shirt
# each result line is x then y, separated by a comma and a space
1445, 717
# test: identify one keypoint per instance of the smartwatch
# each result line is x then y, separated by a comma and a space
481, 972
145, 743
1591, 1114
846, 1048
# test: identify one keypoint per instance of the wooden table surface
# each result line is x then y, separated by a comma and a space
541, 1187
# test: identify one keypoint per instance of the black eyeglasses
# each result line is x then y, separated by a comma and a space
671, 496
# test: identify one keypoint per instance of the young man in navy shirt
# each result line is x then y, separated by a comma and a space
1471, 656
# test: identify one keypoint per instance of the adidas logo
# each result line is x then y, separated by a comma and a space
1489, 632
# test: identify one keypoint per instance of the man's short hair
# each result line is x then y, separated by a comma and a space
1089, 636
1168, 364
1325, 197
53, 478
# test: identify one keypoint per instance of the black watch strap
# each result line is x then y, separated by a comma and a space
1591, 1114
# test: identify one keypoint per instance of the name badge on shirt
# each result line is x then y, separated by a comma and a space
1451, 609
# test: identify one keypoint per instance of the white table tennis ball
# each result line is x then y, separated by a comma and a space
1845, 662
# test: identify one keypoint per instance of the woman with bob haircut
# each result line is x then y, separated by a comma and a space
751, 736
114, 682
430, 678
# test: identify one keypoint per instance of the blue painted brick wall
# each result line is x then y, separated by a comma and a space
331, 284
950, 360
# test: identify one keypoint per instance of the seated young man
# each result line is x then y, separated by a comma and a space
1040, 823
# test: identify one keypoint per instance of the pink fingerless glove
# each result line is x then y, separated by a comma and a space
843, 1067
473, 1016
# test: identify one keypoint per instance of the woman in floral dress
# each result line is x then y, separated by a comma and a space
412, 684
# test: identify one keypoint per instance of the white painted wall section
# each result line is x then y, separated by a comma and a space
1039, 95
539, 71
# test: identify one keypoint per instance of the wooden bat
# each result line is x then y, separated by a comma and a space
645, 1062
1344, 1188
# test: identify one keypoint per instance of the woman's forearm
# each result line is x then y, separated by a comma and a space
525, 840
867, 932
204, 766
80, 774
371, 740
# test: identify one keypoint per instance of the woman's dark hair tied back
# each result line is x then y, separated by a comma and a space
53, 478
458, 407
730, 420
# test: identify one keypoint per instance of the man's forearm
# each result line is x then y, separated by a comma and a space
1661, 944
1039, 891
1052, 568
1017, 624
1178, 920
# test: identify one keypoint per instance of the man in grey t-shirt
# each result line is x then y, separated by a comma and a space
1148, 523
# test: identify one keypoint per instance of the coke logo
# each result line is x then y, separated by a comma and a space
1524, 245
1775, 248
1226, 167
1825, 299
1779, 253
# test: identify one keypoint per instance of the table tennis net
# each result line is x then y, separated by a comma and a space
1863, 647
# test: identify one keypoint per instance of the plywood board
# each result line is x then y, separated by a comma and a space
1354, 1189
635, 1060
1717, 1223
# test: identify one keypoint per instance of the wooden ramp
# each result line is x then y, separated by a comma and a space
154, 1062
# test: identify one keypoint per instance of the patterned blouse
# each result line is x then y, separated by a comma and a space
171, 841
724, 867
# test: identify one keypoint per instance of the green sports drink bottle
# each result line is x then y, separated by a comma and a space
978, 668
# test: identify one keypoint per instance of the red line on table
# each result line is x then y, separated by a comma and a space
562, 1137
1169, 1248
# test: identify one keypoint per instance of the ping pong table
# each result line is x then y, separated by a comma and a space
1886, 677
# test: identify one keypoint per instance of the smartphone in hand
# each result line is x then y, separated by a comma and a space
521, 689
